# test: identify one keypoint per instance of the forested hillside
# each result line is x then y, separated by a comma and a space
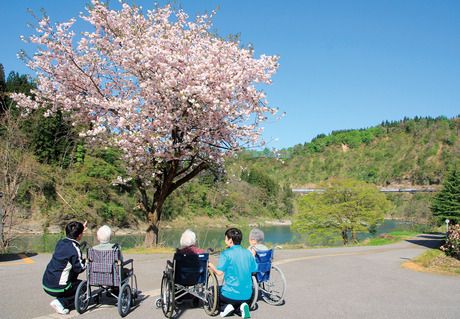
50, 175
409, 152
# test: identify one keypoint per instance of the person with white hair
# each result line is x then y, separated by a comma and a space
256, 241
104, 234
188, 247
188, 243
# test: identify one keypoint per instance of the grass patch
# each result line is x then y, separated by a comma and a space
389, 238
426, 259
151, 250
434, 260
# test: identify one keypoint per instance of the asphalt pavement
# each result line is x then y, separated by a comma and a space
343, 282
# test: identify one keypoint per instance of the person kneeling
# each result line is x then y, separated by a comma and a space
60, 278
237, 265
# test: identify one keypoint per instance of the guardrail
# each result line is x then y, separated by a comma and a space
383, 189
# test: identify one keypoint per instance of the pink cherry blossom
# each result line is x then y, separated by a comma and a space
175, 98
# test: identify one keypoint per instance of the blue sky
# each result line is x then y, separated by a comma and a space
344, 64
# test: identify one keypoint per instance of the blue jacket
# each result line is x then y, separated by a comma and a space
64, 266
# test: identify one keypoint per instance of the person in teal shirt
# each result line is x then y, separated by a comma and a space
236, 264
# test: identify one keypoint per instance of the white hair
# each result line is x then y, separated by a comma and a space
103, 234
188, 238
257, 235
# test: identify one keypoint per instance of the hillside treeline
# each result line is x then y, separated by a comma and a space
62, 178
408, 152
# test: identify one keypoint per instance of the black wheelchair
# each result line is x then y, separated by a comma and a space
188, 274
269, 281
105, 270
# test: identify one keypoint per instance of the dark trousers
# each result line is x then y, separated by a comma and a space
67, 297
224, 301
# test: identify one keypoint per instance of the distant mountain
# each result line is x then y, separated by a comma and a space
408, 152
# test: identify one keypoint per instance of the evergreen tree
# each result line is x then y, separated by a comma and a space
52, 139
2, 79
446, 204
2, 88
18, 83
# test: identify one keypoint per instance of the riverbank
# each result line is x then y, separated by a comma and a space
32, 227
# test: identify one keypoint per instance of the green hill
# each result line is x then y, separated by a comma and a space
409, 152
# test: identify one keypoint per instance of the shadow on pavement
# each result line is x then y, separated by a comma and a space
440, 236
13, 257
428, 240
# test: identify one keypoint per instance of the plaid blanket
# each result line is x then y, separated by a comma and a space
103, 270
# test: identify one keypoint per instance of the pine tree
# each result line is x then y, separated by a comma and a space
2, 79
2, 88
446, 204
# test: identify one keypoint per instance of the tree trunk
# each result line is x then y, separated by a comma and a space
151, 233
345, 236
162, 190
353, 236
1, 221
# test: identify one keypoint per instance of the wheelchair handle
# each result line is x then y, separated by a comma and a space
213, 252
83, 245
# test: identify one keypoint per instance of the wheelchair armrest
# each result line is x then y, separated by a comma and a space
170, 263
129, 261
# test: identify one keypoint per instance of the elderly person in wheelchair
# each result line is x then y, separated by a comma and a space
188, 243
256, 241
269, 280
187, 275
104, 234
106, 271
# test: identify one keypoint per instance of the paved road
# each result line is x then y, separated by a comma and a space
352, 282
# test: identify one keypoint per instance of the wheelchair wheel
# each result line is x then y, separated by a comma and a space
255, 293
82, 297
211, 294
124, 300
167, 296
274, 289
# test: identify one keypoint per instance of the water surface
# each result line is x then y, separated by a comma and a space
212, 237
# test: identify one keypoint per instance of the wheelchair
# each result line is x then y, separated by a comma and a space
188, 274
106, 271
269, 281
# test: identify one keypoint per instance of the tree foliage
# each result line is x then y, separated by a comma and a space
164, 90
16, 168
410, 152
346, 206
446, 203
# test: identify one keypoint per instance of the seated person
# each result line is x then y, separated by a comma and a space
188, 246
188, 243
104, 234
256, 241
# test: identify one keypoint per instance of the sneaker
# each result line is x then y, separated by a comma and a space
244, 308
59, 307
228, 309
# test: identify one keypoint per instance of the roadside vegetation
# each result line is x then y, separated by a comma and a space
389, 238
434, 260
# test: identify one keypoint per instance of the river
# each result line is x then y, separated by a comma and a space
211, 237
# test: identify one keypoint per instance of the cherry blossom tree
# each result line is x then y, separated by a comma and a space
173, 96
